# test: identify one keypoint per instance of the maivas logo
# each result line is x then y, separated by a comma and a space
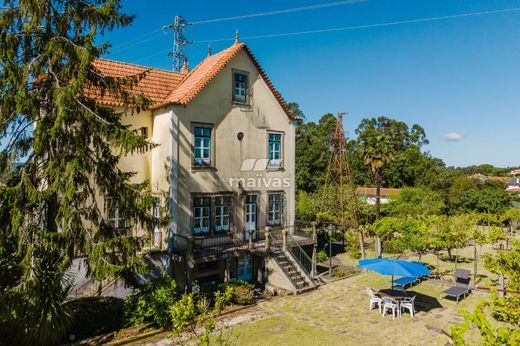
259, 166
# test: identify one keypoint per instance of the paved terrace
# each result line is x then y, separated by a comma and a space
337, 314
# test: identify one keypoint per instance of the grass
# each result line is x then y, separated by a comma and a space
338, 313
446, 266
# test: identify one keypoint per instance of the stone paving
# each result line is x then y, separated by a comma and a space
338, 314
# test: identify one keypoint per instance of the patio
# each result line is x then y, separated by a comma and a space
338, 313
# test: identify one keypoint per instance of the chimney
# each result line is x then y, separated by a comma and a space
185, 67
209, 50
236, 37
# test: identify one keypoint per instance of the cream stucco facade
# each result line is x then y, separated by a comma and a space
170, 169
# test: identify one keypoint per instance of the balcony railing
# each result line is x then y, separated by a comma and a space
216, 244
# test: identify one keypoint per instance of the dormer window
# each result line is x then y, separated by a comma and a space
240, 86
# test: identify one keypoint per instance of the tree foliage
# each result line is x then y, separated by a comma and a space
70, 147
416, 202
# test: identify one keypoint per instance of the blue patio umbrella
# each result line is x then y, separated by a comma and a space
394, 267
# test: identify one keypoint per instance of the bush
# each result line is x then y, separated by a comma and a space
241, 292
352, 244
339, 273
152, 302
321, 256
91, 316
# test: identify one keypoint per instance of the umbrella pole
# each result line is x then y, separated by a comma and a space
392, 283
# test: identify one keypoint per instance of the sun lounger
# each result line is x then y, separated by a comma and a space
461, 285
405, 281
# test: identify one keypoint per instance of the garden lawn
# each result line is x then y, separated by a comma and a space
446, 266
338, 314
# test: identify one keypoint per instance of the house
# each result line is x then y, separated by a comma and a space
513, 185
515, 172
483, 177
223, 171
369, 194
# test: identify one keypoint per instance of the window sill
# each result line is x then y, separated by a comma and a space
201, 168
273, 169
240, 103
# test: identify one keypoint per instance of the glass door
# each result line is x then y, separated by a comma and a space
250, 211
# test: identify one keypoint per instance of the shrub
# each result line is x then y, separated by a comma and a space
352, 244
241, 292
151, 303
91, 316
339, 273
321, 256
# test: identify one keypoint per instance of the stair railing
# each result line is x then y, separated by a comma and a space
299, 255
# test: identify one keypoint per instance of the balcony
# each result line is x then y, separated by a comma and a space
213, 246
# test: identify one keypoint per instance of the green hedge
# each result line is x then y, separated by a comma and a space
91, 316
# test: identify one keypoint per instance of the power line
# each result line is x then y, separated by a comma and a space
275, 12
153, 34
165, 52
144, 38
368, 26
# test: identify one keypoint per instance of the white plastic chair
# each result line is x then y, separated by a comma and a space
374, 300
391, 304
408, 303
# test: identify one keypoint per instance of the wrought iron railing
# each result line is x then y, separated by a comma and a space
213, 244
299, 255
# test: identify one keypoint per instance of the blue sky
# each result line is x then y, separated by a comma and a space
458, 78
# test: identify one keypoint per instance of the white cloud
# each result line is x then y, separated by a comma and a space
454, 136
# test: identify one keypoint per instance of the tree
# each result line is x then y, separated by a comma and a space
312, 148
416, 201
70, 147
506, 263
400, 234
510, 216
378, 141
505, 330
296, 112
487, 200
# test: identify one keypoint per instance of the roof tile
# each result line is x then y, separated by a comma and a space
166, 87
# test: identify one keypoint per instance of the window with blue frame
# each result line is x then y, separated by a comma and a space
240, 87
274, 150
202, 145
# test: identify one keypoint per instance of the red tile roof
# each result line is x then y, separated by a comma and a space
371, 191
156, 84
166, 87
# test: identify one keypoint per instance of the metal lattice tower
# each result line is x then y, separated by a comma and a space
179, 42
339, 191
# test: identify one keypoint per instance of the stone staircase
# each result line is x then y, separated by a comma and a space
300, 282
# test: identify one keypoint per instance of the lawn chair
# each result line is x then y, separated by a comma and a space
374, 300
408, 304
461, 285
391, 304
402, 282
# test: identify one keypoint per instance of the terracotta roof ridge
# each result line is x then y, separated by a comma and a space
219, 56
141, 66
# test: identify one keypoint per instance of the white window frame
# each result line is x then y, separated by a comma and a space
117, 221
156, 216
205, 144
222, 211
240, 87
204, 213
275, 210
276, 162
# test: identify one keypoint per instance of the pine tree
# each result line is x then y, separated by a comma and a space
70, 146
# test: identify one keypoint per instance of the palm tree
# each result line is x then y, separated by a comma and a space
377, 152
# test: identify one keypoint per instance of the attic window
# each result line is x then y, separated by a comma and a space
240, 86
